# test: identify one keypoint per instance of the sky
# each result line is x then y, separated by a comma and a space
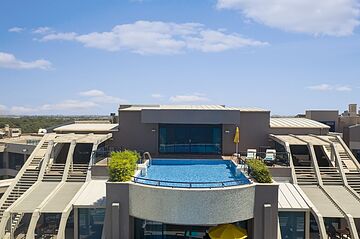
87, 57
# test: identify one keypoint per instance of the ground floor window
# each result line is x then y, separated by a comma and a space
144, 229
91, 222
190, 138
292, 225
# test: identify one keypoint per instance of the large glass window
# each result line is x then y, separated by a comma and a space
144, 229
91, 222
16, 161
292, 225
185, 138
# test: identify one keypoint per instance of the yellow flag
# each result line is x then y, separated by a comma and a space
237, 136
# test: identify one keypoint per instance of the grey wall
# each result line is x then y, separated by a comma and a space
118, 193
324, 115
254, 132
190, 116
135, 135
354, 137
266, 219
135, 131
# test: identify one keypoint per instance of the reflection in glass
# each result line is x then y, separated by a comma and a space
91, 222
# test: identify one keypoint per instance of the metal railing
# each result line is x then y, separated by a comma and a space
179, 184
190, 148
281, 158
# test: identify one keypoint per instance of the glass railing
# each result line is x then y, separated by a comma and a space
179, 184
191, 148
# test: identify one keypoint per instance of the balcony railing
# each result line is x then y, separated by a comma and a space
179, 184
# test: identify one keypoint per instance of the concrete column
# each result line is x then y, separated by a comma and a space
307, 225
117, 211
267, 222
76, 223
266, 211
115, 220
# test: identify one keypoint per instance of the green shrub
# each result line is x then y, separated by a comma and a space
122, 165
259, 171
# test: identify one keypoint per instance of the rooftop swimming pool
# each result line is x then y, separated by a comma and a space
187, 173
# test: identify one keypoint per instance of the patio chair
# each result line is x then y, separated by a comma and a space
251, 154
270, 156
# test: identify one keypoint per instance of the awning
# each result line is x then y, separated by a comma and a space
33, 199
319, 199
94, 195
61, 199
290, 199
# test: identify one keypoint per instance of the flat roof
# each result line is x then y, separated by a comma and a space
290, 198
87, 127
296, 123
189, 107
94, 194
23, 139
321, 201
79, 138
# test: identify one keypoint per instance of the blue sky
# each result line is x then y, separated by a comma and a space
86, 57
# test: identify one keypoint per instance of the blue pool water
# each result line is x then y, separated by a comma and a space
192, 173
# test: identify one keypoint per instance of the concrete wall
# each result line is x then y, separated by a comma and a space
139, 130
191, 207
324, 115
135, 135
254, 132
266, 212
298, 131
346, 121
190, 116
354, 137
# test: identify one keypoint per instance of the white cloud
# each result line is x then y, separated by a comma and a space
321, 87
67, 36
68, 105
189, 98
92, 93
320, 17
327, 87
8, 60
146, 37
16, 29
157, 96
343, 88
99, 96
43, 30
18, 110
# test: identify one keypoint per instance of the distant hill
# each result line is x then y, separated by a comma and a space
31, 124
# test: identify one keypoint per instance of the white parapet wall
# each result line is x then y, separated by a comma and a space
192, 206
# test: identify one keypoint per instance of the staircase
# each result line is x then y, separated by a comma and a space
27, 179
77, 173
330, 176
353, 179
346, 160
305, 175
54, 173
327, 150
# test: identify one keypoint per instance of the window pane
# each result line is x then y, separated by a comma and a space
91, 221
184, 138
292, 225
